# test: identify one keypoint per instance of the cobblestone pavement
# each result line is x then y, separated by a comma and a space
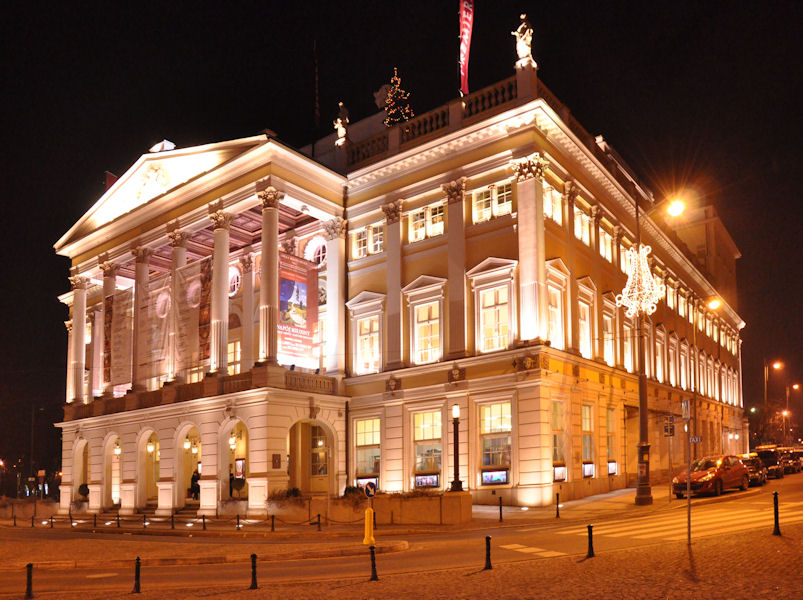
754, 565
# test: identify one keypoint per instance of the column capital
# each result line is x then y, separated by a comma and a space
270, 197
178, 238
77, 282
454, 190
108, 267
141, 254
617, 233
533, 166
68, 325
596, 214
289, 244
393, 211
570, 192
247, 263
220, 219
334, 229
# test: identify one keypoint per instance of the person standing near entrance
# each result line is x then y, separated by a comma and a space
194, 487
231, 482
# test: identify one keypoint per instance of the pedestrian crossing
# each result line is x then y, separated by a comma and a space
532, 550
704, 522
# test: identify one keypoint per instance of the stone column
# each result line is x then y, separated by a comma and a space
109, 270
529, 175
393, 273
247, 268
178, 259
219, 319
597, 337
269, 275
456, 268
69, 389
96, 368
572, 331
142, 257
335, 232
78, 334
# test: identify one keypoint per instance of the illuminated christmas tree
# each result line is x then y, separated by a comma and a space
397, 109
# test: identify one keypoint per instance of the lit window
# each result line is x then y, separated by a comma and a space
558, 455
234, 356
587, 425
707, 326
682, 305
426, 222
582, 225
369, 240
553, 204
359, 247
670, 295
660, 347
605, 244
493, 201
627, 347
318, 452
624, 258
494, 319
495, 426
367, 438
610, 426
377, 237
427, 433
609, 338
555, 310
684, 368
584, 328
235, 280
368, 345
427, 332
672, 362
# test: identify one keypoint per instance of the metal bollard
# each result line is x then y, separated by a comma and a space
51, 521
144, 522
15, 520
172, 521
94, 520
136, 577
374, 576
254, 585
319, 521
272, 523
32, 518
557, 506
488, 566
29, 581
118, 520
590, 542
238, 521
203, 520
777, 530
500, 509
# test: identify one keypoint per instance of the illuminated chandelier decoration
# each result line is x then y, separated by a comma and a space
642, 290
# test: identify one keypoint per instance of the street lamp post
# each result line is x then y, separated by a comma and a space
457, 485
775, 365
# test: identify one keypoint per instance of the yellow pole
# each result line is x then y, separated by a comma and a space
369, 540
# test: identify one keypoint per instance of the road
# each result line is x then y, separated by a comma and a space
729, 514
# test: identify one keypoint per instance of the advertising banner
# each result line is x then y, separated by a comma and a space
298, 311
466, 25
122, 336
187, 308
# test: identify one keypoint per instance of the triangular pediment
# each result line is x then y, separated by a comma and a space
365, 300
153, 176
424, 283
492, 265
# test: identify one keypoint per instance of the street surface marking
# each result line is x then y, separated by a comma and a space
512, 546
101, 575
528, 550
532, 550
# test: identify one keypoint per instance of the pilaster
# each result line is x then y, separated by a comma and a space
77, 339
109, 270
572, 333
456, 268
270, 198
393, 271
247, 269
142, 258
335, 232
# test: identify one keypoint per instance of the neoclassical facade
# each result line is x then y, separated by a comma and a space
271, 320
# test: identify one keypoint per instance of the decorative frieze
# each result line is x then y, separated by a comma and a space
454, 190
270, 197
393, 211
533, 166
334, 229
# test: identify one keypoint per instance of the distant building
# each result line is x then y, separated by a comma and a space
242, 308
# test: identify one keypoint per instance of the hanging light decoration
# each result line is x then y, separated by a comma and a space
232, 442
151, 447
643, 290
187, 443
195, 449
117, 449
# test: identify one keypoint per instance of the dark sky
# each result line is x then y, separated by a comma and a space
692, 94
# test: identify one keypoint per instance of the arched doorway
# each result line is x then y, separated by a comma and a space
112, 471
189, 465
80, 475
309, 448
148, 472
235, 471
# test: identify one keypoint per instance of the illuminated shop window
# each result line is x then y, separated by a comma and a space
495, 427
587, 425
367, 441
427, 433
558, 453
610, 427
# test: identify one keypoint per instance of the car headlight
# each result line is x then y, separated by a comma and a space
707, 477
675, 480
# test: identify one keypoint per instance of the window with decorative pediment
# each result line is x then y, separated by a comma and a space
425, 299
494, 303
557, 286
586, 316
366, 328
553, 204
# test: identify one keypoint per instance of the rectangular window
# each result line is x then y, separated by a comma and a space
482, 205
494, 201
605, 244
681, 305
684, 368
418, 225
587, 425
555, 309
427, 332
672, 362
495, 427
608, 340
504, 199
435, 220
359, 247
660, 347
427, 222
427, 438
670, 295
558, 456
368, 345
234, 355
624, 258
627, 347
377, 238
553, 204
584, 327
610, 427
368, 447
582, 226
494, 319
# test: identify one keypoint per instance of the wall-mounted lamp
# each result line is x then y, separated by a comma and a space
150, 447
117, 449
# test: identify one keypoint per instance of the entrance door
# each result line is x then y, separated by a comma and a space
309, 457
319, 460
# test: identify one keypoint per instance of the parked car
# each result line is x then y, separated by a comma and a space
771, 457
798, 453
790, 462
713, 474
756, 469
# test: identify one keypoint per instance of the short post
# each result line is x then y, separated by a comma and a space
254, 585
29, 581
500, 509
272, 523
51, 521
144, 521
70, 513
118, 520
590, 542
32, 518
557, 505
374, 576
94, 520
203, 520
238, 521
319, 521
172, 521
15, 520
777, 530
136, 576
488, 566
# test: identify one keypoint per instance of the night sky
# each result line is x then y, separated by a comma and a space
700, 95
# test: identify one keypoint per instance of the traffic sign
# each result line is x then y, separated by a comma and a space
696, 439
370, 489
669, 430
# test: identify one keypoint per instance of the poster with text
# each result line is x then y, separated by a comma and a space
298, 311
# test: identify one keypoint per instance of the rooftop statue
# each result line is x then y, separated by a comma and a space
524, 39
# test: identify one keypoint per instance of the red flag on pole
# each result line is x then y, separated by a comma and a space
466, 24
